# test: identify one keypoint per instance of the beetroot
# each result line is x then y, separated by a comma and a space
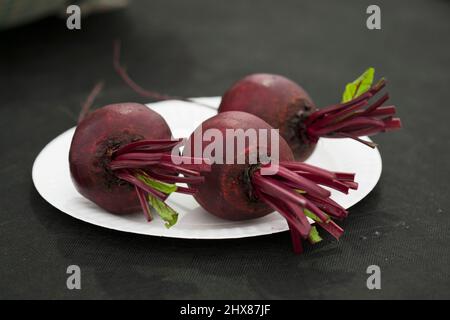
285, 105
120, 159
241, 191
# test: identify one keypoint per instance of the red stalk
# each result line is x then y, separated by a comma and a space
187, 161
336, 107
280, 191
186, 190
144, 158
351, 184
329, 206
276, 189
302, 228
175, 168
377, 104
351, 136
142, 144
296, 238
344, 176
126, 78
347, 124
175, 179
122, 72
304, 184
131, 164
340, 115
139, 156
332, 228
335, 184
379, 112
138, 183
144, 203
351, 120
314, 209
301, 166
90, 100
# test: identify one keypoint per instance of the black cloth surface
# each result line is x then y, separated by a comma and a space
199, 48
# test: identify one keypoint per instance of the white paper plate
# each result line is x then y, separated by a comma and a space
52, 180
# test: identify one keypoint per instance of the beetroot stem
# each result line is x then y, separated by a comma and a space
345, 176
335, 184
139, 156
332, 228
294, 188
297, 245
144, 203
131, 164
175, 168
301, 166
367, 143
277, 190
175, 179
340, 115
145, 143
351, 120
304, 184
137, 160
379, 112
186, 190
121, 71
336, 107
302, 227
348, 123
377, 104
90, 100
138, 183
126, 78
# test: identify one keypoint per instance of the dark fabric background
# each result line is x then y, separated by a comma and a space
198, 48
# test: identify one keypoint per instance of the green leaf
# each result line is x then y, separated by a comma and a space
166, 188
166, 213
312, 216
359, 86
314, 236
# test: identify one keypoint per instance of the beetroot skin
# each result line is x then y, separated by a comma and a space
226, 191
285, 105
277, 100
96, 138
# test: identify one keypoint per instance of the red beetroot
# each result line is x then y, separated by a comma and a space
120, 159
241, 191
285, 105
